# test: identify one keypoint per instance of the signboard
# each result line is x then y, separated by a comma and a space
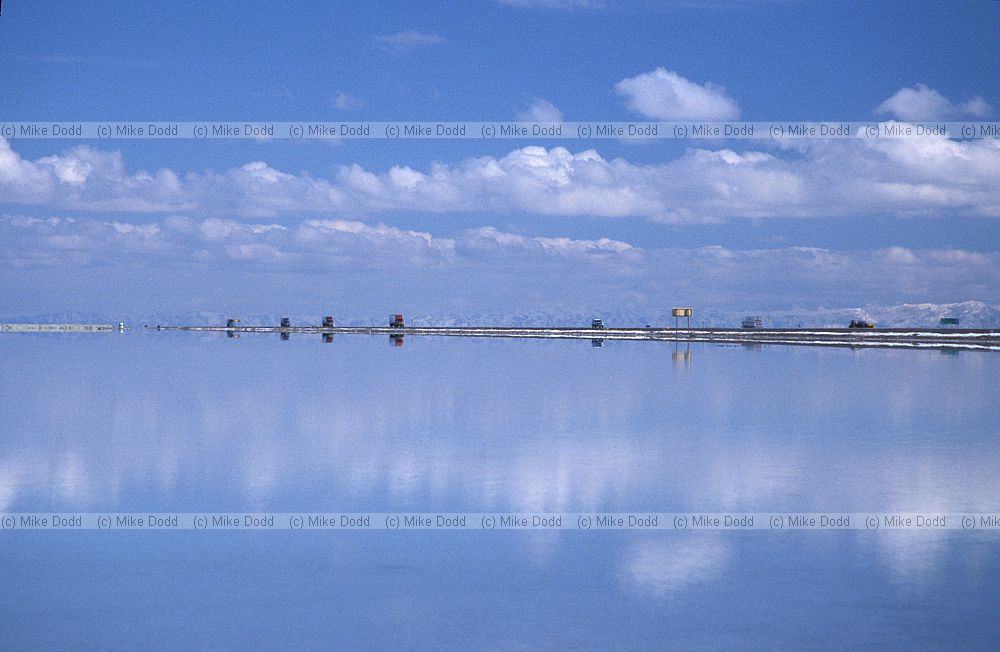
683, 312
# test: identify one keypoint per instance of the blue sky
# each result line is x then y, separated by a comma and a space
458, 227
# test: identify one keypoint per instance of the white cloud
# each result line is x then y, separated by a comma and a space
21, 180
87, 177
41, 241
599, 270
488, 239
899, 255
407, 41
540, 110
664, 95
360, 245
930, 176
347, 101
923, 103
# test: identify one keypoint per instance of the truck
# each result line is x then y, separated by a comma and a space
597, 323
396, 321
861, 323
752, 321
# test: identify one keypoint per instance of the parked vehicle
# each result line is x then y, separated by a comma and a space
861, 323
396, 321
597, 323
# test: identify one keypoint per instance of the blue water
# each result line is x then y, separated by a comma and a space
190, 423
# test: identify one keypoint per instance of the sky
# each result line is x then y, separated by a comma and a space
508, 227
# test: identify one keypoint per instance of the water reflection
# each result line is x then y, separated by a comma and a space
178, 422
681, 357
662, 567
182, 422
496, 425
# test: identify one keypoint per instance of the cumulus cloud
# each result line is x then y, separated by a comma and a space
488, 239
407, 41
540, 110
54, 241
87, 177
664, 95
593, 270
923, 103
61, 241
820, 178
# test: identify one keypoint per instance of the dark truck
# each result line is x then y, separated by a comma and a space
861, 323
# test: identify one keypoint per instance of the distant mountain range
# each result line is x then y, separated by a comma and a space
971, 314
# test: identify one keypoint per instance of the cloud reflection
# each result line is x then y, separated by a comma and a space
675, 562
500, 426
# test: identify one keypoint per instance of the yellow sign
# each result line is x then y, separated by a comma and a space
683, 312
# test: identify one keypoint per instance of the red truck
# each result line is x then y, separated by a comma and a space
396, 321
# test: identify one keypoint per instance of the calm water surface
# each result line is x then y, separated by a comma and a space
189, 423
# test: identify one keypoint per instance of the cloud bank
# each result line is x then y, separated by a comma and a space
489, 268
932, 176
